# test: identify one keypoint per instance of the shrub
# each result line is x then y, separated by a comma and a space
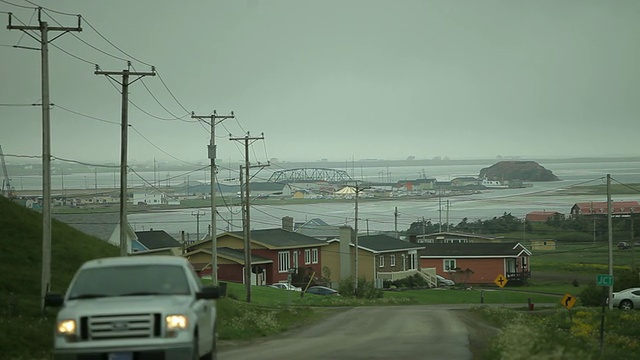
592, 295
366, 289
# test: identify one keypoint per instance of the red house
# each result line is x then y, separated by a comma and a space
478, 263
275, 252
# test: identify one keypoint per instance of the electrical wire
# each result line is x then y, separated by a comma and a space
170, 92
112, 44
86, 116
53, 11
87, 43
160, 149
16, 5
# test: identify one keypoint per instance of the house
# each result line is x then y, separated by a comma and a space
170, 251
541, 216
450, 237
104, 226
543, 245
380, 257
288, 251
156, 239
478, 263
599, 208
230, 265
387, 255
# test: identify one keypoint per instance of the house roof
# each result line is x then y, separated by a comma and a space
385, 243
456, 234
320, 232
312, 222
281, 239
156, 239
473, 250
617, 207
100, 225
236, 255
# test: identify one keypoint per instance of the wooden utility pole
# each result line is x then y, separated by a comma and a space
44, 41
214, 171
124, 248
610, 226
247, 139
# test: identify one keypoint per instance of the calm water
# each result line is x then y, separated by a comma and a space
379, 215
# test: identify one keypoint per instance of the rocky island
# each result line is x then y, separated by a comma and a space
517, 170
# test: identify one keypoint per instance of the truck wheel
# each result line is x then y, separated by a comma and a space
196, 346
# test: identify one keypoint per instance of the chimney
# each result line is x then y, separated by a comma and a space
287, 223
346, 236
413, 239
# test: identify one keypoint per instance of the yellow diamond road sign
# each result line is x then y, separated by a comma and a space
568, 301
500, 281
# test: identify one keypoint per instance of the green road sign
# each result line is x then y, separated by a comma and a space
604, 280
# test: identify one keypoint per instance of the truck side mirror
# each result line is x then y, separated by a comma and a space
208, 292
53, 299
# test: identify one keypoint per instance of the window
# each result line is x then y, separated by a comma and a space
283, 262
381, 261
307, 256
449, 265
392, 260
524, 262
314, 256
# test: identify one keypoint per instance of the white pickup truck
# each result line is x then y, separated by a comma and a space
135, 308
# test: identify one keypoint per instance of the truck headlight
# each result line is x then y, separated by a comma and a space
176, 322
66, 327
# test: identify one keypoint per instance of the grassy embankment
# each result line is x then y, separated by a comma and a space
26, 334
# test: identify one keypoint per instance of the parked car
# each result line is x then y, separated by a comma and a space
442, 281
627, 299
285, 286
623, 245
321, 290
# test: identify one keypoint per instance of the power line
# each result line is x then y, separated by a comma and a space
16, 5
53, 11
157, 147
86, 116
112, 44
170, 93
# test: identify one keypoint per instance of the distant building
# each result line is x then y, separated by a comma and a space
540, 216
599, 208
543, 245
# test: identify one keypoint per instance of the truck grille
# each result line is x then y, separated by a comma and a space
120, 326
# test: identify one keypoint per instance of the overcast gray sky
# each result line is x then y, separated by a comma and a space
342, 80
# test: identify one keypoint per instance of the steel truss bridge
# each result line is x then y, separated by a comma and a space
310, 175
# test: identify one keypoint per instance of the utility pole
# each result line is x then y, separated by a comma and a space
610, 226
247, 139
395, 221
593, 217
440, 209
214, 172
44, 29
447, 215
123, 141
358, 189
631, 242
198, 214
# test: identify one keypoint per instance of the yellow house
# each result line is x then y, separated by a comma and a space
543, 245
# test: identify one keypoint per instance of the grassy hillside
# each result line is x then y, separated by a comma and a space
21, 255
24, 332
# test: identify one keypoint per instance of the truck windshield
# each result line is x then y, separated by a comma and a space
130, 281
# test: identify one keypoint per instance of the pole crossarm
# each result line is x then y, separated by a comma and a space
211, 149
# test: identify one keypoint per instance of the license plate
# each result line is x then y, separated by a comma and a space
121, 356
